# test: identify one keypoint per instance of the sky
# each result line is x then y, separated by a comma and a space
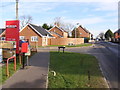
97, 16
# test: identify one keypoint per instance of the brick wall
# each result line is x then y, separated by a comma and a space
65, 41
28, 32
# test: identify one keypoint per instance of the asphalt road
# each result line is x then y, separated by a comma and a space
108, 58
113, 63
107, 55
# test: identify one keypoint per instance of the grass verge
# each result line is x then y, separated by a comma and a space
3, 76
80, 45
74, 70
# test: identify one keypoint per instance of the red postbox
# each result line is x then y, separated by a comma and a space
24, 48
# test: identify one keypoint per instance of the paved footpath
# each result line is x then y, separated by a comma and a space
35, 76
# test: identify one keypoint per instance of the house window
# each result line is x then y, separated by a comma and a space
22, 37
80, 33
34, 38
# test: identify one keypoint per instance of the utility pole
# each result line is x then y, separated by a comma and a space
76, 32
16, 9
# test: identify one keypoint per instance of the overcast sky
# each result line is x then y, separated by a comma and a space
97, 16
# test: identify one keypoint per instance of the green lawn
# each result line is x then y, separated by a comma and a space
80, 45
72, 71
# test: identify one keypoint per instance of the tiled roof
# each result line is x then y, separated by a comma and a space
2, 30
60, 28
56, 34
41, 30
85, 29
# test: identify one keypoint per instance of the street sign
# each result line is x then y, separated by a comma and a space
12, 32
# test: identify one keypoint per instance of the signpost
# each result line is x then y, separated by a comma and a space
12, 32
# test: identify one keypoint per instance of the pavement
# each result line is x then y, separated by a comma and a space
34, 76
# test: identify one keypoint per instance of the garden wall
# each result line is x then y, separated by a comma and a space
65, 41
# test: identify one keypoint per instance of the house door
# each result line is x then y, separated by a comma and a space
44, 41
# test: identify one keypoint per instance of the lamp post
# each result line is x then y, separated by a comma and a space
16, 9
75, 32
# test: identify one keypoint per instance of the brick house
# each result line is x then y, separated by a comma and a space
37, 35
81, 33
58, 32
117, 35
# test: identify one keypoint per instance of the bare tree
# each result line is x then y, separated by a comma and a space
58, 21
25, 20
69, 27
64, 25
101, 36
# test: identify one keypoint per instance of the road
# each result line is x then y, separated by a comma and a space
107, 55
113, 63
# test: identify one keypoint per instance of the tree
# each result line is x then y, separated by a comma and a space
101, 36
65, 25
68, 27
47, 27
58, 21
25, 20
109, 35
50, 27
